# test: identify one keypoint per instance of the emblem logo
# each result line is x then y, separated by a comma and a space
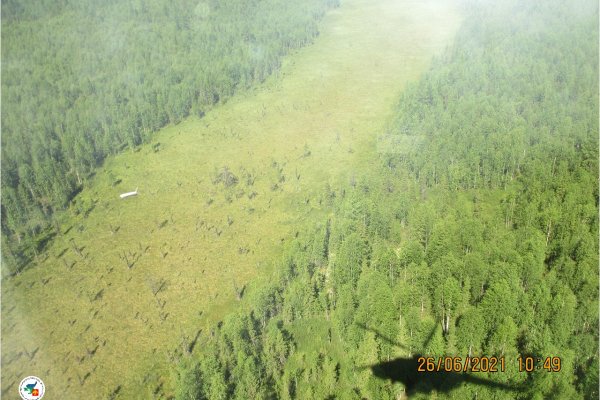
32, 388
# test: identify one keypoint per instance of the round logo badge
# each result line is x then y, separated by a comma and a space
32, 388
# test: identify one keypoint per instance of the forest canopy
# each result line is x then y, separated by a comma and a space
480, 238
82, 80
473, 231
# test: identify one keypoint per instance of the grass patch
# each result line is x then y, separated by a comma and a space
152, 269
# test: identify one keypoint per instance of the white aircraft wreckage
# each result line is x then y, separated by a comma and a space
129, 194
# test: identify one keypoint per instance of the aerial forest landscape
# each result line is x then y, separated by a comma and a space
316, 199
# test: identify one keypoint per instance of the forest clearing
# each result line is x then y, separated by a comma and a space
127, 284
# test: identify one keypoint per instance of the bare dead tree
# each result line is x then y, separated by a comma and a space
129, 258
185, 344
194, 341
76, 248
156, 286
239, 292
113, 229
67, 265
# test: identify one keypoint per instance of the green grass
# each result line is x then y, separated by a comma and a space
314, 123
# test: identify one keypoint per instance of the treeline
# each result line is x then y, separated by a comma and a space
481, 242
82, 80
505, 100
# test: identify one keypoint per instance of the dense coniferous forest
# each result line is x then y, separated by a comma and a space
475, 234
82, 81
472, 230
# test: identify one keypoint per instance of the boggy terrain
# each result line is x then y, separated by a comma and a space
130, 280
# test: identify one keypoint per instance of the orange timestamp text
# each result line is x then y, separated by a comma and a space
461, 364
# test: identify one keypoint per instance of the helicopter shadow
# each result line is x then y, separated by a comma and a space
405, 370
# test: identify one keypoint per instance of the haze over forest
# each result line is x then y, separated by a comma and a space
324, 192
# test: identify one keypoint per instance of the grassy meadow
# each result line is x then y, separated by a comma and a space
128, 281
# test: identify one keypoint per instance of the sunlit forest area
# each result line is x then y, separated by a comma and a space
488, 219
468, 227
81, 82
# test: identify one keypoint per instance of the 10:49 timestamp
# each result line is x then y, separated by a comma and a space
530, 364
